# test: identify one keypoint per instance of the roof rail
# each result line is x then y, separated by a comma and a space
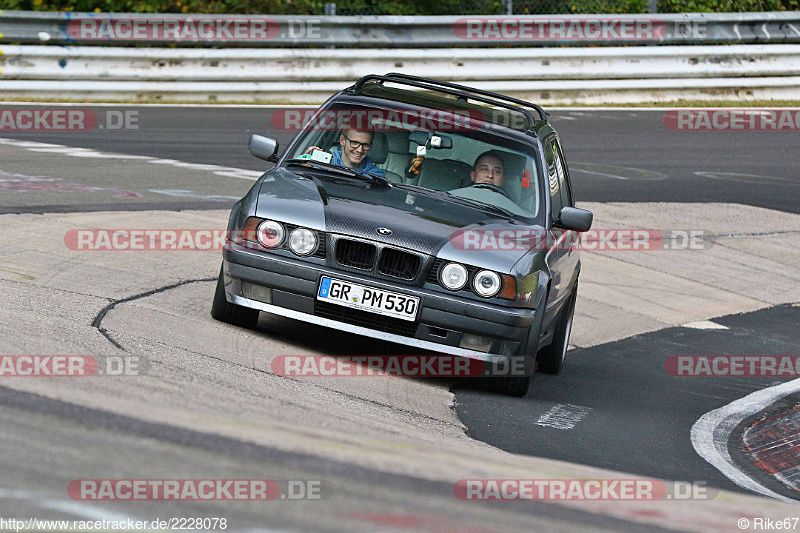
490, 94
396, 76
455, 90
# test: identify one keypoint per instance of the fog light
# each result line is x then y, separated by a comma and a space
257, 292
475, 343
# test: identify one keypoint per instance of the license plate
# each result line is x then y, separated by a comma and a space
369, 299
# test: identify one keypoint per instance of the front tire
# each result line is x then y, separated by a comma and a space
224, 311
551, 358
516, 386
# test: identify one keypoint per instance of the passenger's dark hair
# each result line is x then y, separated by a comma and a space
489, 153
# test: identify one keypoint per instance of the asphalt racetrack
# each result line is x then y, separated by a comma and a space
388, 451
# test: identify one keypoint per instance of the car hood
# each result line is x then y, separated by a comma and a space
418, 222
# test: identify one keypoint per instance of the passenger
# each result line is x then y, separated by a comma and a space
353, 154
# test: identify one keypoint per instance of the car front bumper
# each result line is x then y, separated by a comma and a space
441, 322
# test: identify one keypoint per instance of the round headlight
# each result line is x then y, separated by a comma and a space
302, 241
486, 283
453, 276
270, 233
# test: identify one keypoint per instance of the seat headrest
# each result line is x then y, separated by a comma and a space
398, 142
380, 148
444, 174
513, 165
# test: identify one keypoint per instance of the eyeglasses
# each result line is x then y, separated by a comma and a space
355, 144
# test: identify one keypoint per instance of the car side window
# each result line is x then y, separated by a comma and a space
555, 177
563, 180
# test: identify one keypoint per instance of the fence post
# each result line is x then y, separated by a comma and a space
330, 9
652, 6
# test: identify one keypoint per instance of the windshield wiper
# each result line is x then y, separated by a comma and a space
458, 199
344, 171
483, 205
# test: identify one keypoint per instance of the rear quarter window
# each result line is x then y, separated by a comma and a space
563, 179
555, 177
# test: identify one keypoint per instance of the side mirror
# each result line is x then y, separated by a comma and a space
575, 219
263, 148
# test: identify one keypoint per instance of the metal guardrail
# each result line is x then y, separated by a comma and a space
598, 75
63, 28
313, 66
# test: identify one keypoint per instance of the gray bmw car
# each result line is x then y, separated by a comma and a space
420, 212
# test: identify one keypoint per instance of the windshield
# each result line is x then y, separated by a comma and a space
450, 153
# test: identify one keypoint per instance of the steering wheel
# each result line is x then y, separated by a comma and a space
492, 187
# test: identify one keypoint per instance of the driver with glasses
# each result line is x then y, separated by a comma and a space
353, 154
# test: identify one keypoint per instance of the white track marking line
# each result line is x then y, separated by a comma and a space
74, 508
743, 178
71, 151
710, 434
563, 416
29, 144
191, 194
599, 174
703, 324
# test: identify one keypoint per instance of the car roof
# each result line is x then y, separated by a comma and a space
497, 119
448, 96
